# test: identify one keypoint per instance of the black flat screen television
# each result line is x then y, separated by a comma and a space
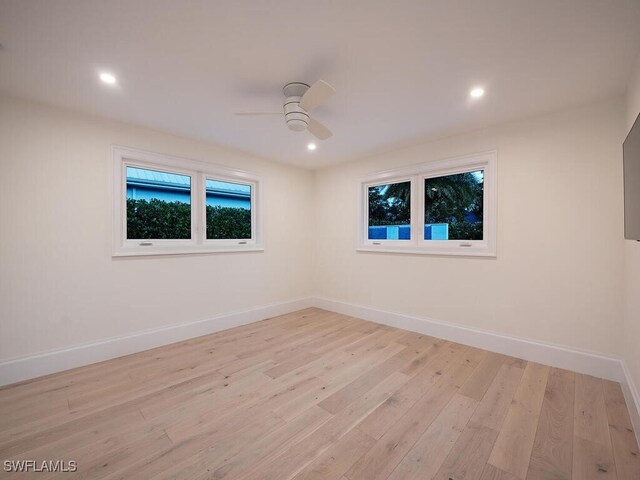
631, 155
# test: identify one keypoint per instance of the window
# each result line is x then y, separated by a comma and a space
158, 205
446, 208
167, 205
390, 211
228, 210
454, 206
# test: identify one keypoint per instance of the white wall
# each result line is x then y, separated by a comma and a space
558, 277
59, 285
632, 258
558, 274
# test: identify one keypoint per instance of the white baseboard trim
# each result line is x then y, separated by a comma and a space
24, 368
582, 361
632, 397
569, 358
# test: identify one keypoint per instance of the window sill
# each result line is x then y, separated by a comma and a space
187, 251
446, 252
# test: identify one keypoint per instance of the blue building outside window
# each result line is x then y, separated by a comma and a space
144, 184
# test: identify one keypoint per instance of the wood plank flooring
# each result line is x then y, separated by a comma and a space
318, 395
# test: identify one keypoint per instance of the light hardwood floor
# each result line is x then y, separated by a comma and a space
318, 395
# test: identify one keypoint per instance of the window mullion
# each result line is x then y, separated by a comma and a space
415, 210
199, 202
421, 210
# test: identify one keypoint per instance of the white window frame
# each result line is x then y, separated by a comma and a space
412, 208
198, 171
486, 161
203, 213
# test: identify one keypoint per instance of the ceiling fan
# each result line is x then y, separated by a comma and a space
300, 99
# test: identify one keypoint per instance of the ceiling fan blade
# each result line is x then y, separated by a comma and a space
257, 113
318, 130
317, 94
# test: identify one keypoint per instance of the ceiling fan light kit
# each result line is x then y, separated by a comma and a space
300, 100
297, 119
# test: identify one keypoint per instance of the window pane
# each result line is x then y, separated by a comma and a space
454, 206
158, 205
390, 212
228, 210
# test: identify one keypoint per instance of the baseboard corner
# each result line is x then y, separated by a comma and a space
632, 398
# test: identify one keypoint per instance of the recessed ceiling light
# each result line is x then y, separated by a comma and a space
311, 146
108, 78
477, 92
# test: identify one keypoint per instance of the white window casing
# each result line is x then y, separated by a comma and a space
416, 174
199, 172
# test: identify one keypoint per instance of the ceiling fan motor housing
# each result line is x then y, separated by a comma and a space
297, 119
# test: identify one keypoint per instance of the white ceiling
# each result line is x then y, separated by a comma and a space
402, 69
